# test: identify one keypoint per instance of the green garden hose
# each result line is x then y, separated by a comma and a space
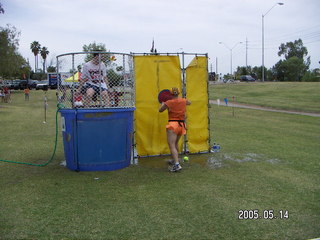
59, 106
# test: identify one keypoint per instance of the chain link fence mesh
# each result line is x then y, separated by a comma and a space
95, 80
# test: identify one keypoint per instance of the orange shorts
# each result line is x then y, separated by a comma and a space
178, 128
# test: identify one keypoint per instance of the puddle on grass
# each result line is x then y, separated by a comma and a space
219, 160
210, 160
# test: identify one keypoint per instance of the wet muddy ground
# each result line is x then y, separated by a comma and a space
209, 160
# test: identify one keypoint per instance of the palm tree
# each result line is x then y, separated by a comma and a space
44, 52
1, 8
35, 48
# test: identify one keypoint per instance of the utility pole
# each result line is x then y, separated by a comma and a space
217, 74
230, 49
247, 53
263, 15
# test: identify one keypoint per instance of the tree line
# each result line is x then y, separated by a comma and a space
12, 63
293, 67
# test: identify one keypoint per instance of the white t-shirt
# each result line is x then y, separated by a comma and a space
91, 74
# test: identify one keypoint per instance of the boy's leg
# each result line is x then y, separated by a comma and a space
172, 138
89, 94
177, 143
105, 97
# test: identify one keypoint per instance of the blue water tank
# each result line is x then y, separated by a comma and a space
97, 139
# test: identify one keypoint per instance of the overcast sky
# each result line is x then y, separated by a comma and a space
195, 26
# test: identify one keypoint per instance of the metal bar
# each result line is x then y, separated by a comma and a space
208, 106
70, 53
184, 94
151, 54
101, 78
72, 92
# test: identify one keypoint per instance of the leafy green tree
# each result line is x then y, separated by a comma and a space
10, 37
228, 76
12, 64
44, 53
242, 71
293, 67
312, 76
257, 71
100, 47
51, 69
38, 76
106, 58
278, 71
35, 48
93, 47
25, 69
254, 72
293, 49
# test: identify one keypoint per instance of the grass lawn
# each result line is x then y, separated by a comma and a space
299, 96
268, 161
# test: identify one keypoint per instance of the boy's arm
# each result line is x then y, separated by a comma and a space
163, 107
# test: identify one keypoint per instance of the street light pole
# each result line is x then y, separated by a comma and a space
263, 15
230, 53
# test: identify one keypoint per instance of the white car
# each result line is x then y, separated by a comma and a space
43, 86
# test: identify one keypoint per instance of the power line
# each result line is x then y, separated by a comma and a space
302, 33
310, 38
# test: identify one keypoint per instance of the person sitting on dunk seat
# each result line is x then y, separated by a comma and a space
94, 80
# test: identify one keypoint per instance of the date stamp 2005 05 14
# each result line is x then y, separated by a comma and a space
265, 214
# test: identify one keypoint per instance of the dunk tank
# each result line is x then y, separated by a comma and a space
120, 122
97, 100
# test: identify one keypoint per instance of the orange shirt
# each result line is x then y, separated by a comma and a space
26, 90
177, 108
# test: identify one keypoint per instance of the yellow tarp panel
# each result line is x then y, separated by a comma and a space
153, 74
74, 78
197, 112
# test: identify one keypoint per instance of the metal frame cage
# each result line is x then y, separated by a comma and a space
187, 84
95, 80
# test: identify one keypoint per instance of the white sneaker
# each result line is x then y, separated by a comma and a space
176, 168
